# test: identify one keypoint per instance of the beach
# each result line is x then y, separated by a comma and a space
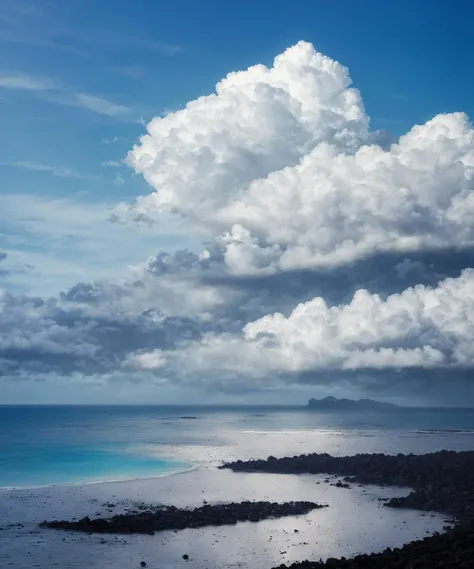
356, 520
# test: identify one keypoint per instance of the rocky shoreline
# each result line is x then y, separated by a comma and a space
162, 518
441, 481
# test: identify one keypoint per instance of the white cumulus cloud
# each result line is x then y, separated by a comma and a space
421, 327
202, 158
334, 208
278, 166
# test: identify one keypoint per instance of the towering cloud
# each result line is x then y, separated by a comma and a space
278, 168
202, 159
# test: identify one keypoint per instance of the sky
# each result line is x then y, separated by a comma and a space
236, 201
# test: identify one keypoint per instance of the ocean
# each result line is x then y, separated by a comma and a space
44, 445
65, 462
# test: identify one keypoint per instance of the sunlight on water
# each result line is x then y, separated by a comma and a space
55, 445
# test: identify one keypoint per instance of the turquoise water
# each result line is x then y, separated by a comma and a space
42, 465
41, 446
44, 445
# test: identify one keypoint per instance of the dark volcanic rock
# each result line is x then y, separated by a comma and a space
171, 518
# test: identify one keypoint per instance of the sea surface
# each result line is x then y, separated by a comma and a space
44, 445
68, 462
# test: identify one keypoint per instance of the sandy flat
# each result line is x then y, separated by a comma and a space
355, 522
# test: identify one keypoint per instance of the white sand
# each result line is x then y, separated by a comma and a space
355, 522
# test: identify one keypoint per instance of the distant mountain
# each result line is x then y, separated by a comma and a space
333, 404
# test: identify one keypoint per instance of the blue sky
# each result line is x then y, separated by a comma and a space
78, 78
282, 236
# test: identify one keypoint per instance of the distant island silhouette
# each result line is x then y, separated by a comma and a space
334, 404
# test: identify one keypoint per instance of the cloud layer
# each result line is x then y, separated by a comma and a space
328, 254
421, 327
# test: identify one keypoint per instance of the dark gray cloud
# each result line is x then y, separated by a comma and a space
82, 332
94, 328
254, 296
3, 256
182, 261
